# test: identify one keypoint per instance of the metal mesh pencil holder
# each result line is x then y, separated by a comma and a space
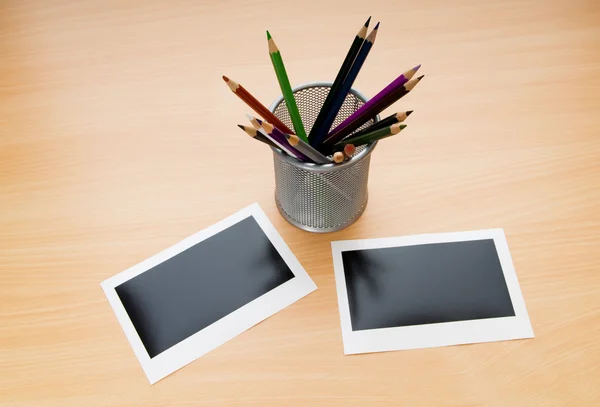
321, 198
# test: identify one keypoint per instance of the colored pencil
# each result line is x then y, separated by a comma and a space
278, 135
253, 132
285, 147
401, 92
254, 103
286, 88
398, 117
370, 110
307, 150
374, 135
349, 150
336, 104
338, 157
339, 79
384, 93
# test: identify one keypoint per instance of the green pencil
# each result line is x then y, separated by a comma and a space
286, 88
372, 136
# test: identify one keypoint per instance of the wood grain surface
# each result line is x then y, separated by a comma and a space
118, 139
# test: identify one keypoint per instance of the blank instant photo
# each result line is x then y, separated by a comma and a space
205, 290
428, 290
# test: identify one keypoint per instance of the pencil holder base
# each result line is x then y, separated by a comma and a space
321, 230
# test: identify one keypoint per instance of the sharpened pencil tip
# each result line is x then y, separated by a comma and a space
226, 79
420, 77
368, 21
416, 68
268, 35
372, 34
409, 112
241, 127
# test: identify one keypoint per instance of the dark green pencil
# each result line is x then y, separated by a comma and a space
339, 79
372, 136
398, 117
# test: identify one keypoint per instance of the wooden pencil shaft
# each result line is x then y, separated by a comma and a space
392, 98
307, 150
253, 132
337, 83
283, 147
360, 142
369, 110
375, 135
359, 122
386, 122
336, 104
286, 88
255, 104
376, 109
254, 121
278, 135
265, 140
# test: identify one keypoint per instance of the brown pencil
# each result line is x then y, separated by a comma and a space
253, 132
255, 104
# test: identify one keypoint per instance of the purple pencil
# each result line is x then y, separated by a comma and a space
285, 147
280, 137
367, 111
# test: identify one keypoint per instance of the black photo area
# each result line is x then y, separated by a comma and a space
425, 284
201, 285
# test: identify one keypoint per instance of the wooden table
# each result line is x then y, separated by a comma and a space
118, 139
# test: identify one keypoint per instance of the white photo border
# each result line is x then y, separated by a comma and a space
227, 327
439, 334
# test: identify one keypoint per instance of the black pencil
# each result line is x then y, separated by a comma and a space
252, 132
344, 89
372, 136
339, 79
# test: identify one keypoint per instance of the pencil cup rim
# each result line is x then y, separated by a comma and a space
323, 167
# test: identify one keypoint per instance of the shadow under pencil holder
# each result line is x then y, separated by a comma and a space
321, 198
